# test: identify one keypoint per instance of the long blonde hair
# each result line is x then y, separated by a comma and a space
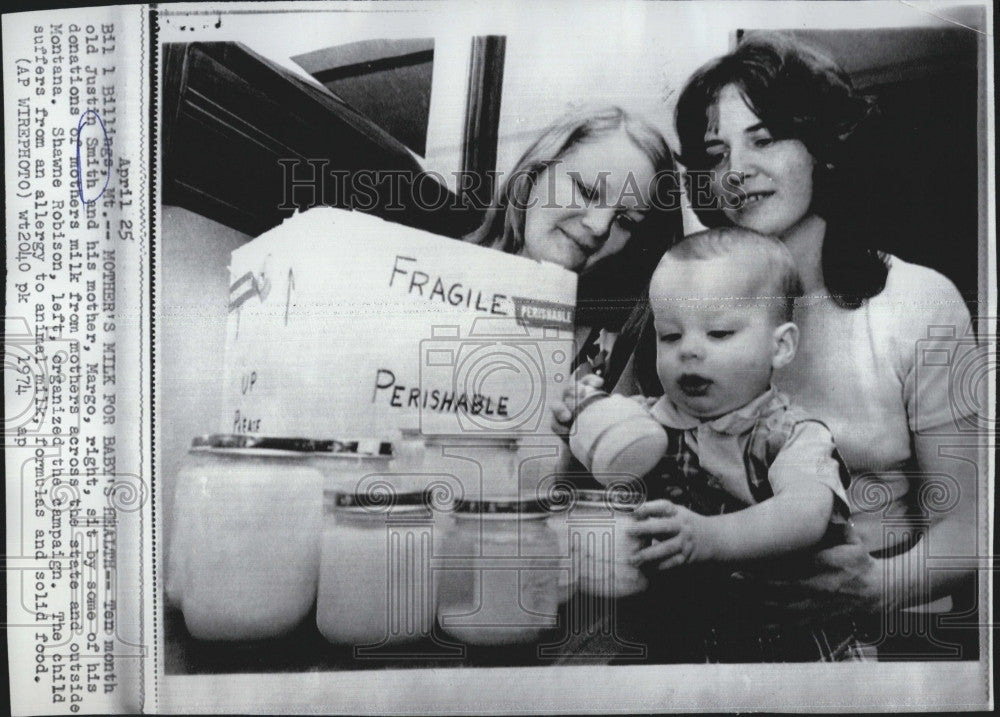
503, 227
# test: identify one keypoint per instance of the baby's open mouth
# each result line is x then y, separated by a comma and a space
694, 385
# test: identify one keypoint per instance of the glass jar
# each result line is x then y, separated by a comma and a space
345, 465
614, 436
246, 556
484, 465
409, 457
601, 546
375, 584
178, 534
500, 583
410, 451
539, 458
562, 498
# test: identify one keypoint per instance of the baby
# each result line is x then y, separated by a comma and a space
757, 476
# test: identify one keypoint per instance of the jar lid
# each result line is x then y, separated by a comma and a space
371, 447
229, 442
571, 498
473, 440
592, 496
374, 501
506, 507
242, 441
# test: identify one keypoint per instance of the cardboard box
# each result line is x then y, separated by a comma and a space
342, 325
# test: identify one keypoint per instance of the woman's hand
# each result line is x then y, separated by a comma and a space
564, 413
840, 581
845, 579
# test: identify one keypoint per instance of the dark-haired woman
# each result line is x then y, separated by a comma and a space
768, 130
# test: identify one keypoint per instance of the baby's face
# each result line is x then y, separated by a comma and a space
715, 338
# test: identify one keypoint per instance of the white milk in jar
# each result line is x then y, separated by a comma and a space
483, 465
539, 459
564, 500
178, 531
501, 585
249, 515
614, 435
601, 546
409, 455
375, 584
410, 451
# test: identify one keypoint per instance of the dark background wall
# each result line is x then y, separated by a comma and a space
917, 168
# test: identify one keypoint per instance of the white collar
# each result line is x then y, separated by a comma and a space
733, 423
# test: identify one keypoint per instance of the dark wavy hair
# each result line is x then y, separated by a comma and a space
607, 291
798, 93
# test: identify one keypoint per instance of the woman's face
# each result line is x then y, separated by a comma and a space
775, 192
584, 207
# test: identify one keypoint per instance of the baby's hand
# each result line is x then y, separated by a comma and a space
679, 535
564, 413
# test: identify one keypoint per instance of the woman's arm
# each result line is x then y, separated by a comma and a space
847, 580
942, 393
937, 367
950, 476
